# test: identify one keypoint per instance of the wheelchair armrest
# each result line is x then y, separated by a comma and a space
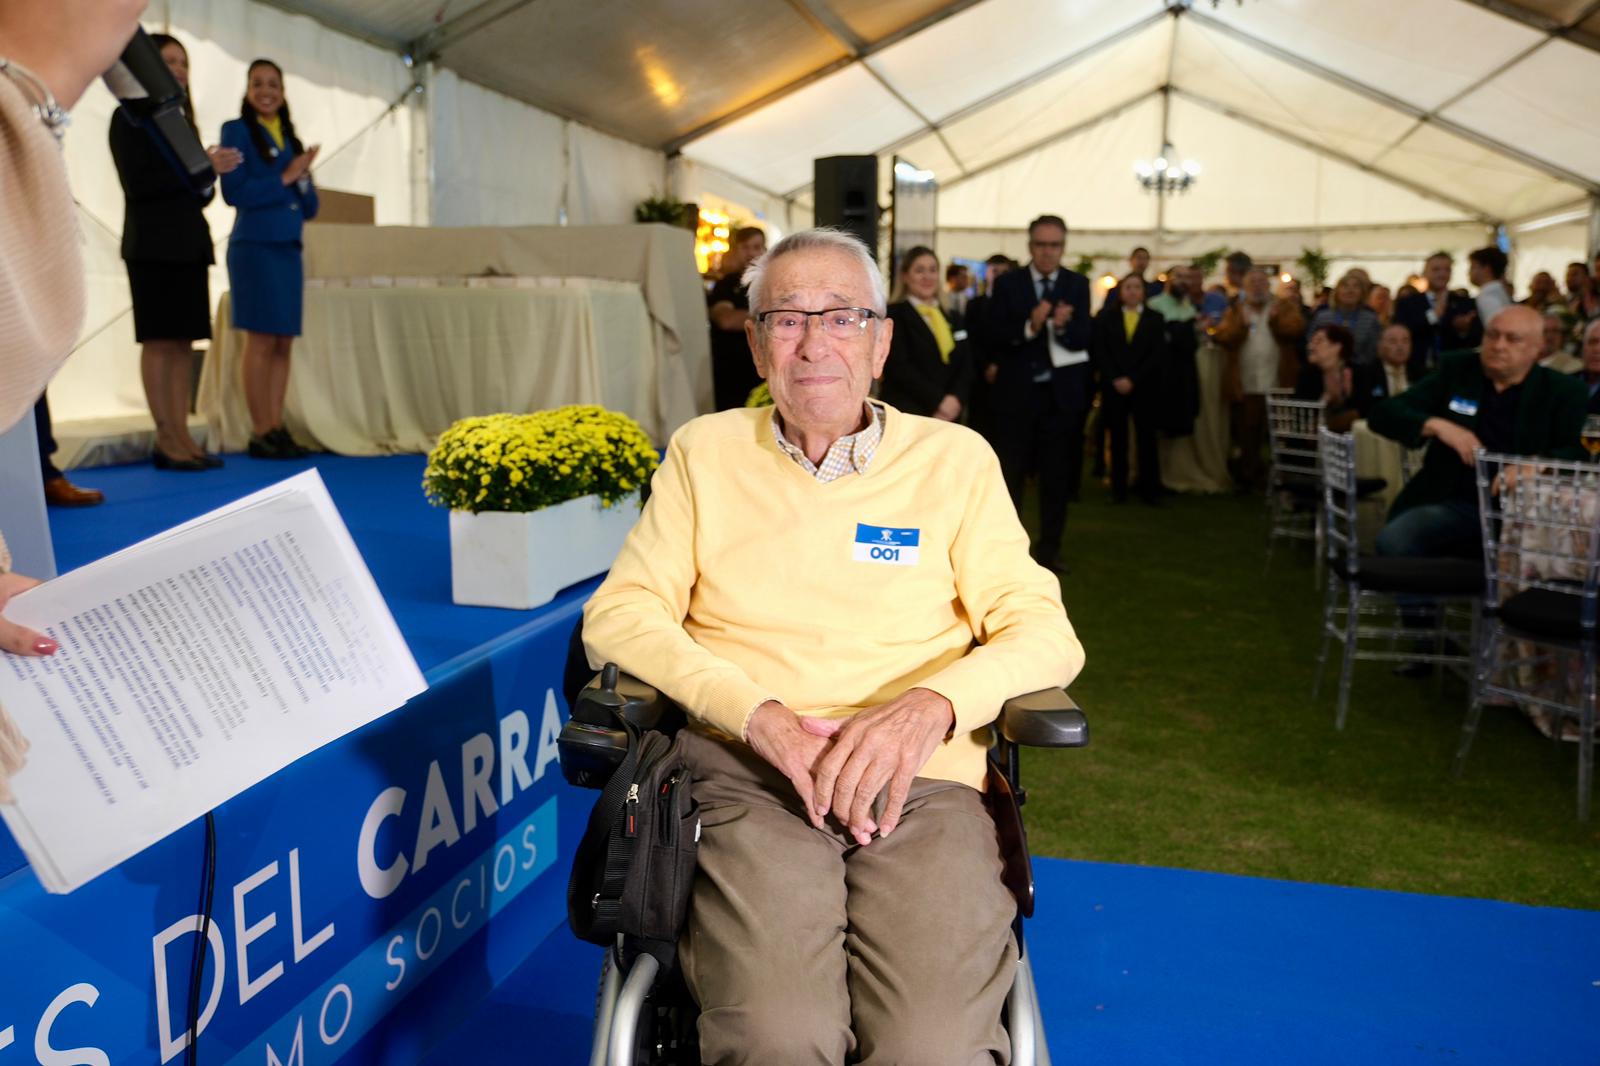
593, 741
1044, 719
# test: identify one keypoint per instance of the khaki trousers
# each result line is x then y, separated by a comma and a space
803, 947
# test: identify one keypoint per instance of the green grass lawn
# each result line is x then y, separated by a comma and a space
1209, 753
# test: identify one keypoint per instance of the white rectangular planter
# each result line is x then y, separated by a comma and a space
522, 559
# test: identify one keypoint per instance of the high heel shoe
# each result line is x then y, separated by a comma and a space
162, 461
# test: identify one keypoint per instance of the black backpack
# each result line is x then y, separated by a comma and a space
634, 869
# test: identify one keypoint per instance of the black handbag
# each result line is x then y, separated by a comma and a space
634, 869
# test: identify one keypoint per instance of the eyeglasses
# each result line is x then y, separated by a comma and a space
842, 323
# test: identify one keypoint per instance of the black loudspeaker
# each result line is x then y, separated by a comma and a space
846, 191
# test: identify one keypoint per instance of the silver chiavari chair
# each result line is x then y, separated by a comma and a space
1541, 543
1360, 609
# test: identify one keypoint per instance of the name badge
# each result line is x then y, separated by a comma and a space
959, 335
886, 545
1463, 406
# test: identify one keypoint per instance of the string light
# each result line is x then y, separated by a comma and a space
711, 238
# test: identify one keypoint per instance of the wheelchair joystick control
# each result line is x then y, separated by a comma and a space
594, 741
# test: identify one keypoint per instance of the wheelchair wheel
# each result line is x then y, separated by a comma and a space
667, 1033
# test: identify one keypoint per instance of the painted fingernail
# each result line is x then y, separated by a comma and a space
45, 646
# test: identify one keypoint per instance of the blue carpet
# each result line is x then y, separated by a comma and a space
1143, 965
1135, 964
406, 543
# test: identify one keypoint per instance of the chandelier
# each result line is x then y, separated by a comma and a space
1165, 175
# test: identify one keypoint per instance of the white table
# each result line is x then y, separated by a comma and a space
385, 365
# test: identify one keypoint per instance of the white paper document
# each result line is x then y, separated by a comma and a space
192, 666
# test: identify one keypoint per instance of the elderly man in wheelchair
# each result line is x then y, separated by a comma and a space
840, 597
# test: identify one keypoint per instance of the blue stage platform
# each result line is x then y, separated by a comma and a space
1135, 965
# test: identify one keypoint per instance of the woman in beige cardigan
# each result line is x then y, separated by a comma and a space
50, 50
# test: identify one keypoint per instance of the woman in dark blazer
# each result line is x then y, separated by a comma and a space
167, 247
929, 368
1129, 349
275, 197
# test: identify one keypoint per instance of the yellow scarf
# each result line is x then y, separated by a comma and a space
274, 128
941, 328
1130, 322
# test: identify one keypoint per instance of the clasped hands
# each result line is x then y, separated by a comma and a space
1059, 314
840, 765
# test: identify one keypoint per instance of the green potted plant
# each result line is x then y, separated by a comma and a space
537, 501
1316, 265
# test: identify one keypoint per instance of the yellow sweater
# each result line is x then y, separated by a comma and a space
746, 580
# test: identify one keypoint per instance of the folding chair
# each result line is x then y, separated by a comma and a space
1293, 478
1370, 583
1541, 543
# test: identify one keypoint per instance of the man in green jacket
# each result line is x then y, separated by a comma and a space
1500, 400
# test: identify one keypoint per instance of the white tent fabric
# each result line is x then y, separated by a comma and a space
1373, 131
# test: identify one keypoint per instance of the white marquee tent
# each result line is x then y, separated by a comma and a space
1374, 130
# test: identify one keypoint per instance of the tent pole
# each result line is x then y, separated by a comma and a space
1594, 227
422, 119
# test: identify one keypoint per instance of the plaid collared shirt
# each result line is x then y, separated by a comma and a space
847, 455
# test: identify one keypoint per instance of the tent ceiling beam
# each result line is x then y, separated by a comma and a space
1044, 142
1015, 87
1433, 114
469, 22
1544, 213
1373, 93
824, 18
1012, 89
955, 7
1343, 227
338, 25
1546, 25
1334, 154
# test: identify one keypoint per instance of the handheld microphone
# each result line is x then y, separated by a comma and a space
152, 98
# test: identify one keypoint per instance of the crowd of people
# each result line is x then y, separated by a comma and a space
1022, 357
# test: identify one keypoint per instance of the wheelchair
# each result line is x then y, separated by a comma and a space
647, 1017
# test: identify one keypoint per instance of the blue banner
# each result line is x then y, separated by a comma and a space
367, 898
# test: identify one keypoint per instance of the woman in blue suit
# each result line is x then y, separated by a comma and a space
274, 196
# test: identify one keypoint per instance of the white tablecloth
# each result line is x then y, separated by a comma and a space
1381, 457
386, 369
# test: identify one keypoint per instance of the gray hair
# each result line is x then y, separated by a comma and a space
806, 240
1589, 328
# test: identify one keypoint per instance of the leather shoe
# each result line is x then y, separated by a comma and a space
59, 492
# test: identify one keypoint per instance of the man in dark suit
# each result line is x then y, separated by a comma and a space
1439, 320
1390, 375
1502, 401
1040, 322
1590, 374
